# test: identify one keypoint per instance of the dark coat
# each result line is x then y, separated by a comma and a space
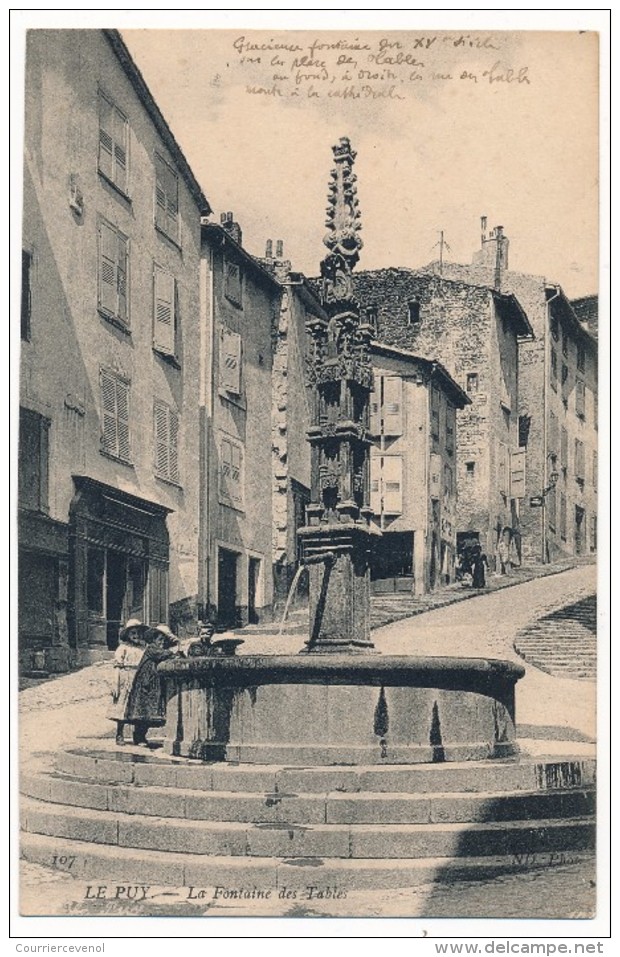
146, 700
480, 564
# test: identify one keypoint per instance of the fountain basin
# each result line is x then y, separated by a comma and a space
302, 710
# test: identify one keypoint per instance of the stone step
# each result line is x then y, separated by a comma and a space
100, 863
130, 766
287, 840
333, 807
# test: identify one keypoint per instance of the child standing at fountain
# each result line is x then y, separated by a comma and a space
127, 658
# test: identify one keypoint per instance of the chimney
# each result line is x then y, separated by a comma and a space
232, 228
279, 249
493, 252
269, 249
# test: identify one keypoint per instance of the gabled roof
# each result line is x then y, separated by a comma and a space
146, 98
216, 234
557, 298
509, 306
433, 367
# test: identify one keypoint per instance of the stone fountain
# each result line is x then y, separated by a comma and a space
338, 701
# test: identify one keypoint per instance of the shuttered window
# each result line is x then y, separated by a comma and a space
231, 472
33, 472
113, 143
114, 416
230, 361
165, 311
554, 434
166, 437
375, 483
517, 474
551, 505
113, 272
580, 398
233, 288
375, 408
580, 462
435, 401
503, 474
166, 199
564, 448
392, 474
392, 406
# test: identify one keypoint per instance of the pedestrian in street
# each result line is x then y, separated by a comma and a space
127, 658
146, 706
503, 553
480, 565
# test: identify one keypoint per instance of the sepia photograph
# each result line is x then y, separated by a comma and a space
307, 469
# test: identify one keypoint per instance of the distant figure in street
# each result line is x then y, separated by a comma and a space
504, 554
146, 707
127, 659
479, 566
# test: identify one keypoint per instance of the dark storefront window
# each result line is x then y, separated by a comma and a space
33, 461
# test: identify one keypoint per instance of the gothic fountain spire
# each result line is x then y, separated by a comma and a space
336, 540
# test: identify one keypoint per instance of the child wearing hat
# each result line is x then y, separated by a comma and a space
127, 658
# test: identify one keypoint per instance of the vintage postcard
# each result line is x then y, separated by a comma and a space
308, 466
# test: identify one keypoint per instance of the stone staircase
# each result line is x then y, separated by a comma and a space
563, 643
133, 816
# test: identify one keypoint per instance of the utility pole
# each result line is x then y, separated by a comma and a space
442, 245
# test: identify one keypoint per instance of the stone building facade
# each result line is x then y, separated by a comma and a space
241, 312
558, 404
474, 331
413, 471
108, 484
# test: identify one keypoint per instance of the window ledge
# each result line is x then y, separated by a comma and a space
237, 400
167, 481
167, 358
116, 458
171, 239
120, 192
116, 322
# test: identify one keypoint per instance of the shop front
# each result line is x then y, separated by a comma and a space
118, 565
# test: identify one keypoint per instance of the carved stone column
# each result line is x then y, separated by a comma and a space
338, 535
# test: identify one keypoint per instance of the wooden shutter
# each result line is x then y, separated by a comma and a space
120, 149
503, 468
580, 465
174, 445
553, 434
580, 398
162, 458
122, 414
375, 483
564, 448
106, 138
375, 406
109, 437
392, 405
225, 468
517, 475
166, 198
235, 473
392, 484
164, 300
108, 254
435, 475
230, 362
121, 277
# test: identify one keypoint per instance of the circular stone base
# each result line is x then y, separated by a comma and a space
340, 709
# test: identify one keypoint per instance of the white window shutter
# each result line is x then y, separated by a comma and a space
164, 312
121, 278
108, 413
375, 407
225, 468
230, 362
435, 475
375, 483
108, 252
174, 446
517, 474
122, 419
392, 484
235, 474
106, 139
392, 406
160, 415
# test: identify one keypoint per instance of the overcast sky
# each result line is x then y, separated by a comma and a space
524, 153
